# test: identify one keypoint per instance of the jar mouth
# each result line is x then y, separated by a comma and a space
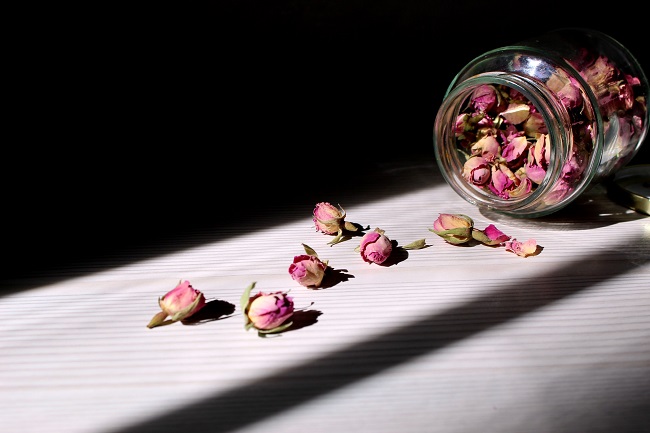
546, 197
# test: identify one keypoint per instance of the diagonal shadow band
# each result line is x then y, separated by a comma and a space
53, 251
297, 385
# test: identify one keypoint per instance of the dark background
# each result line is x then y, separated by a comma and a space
132, 123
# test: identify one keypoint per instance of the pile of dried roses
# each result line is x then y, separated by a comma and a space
270, 312
505, 143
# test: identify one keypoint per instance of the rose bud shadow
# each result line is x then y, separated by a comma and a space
333, 277
213, 310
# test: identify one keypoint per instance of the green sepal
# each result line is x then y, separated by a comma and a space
350, 226
337, 239
456, 241
276, 329
159, 320
421, 243
460, 231
244, 301
455, 236
480, 236
309, 250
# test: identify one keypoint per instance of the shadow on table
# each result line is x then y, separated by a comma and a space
300, 384
591, 210
78, 235
55, 249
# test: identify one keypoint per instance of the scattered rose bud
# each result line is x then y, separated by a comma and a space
522, 249
490, 236
459, 229
267, 312
375, 247
453, 228
330, 220
307, 269
179, 303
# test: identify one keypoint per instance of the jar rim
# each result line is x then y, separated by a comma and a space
557, 121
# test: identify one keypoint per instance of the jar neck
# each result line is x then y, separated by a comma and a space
560, 132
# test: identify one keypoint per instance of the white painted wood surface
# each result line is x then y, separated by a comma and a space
452, 339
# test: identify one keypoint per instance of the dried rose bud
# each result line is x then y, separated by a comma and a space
375, 247
522, 249
453, 228
462, 125
485, 98
502, 180
516, 113
307, 270
179, 303
535, 125
490, 235
268, 312
328, 219
567, 89
487, 147
525, 186
476, 170
514, 149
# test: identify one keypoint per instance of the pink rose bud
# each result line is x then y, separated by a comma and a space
524, 187
179, 303
307, 270
490, 235
514, 149
266, 312
375, 247
522, 249
535, 125
484, 98
567, 89
270, 310
487, 147
329, 219
453, 228
501, 180
535, 173
461, 125
476, 170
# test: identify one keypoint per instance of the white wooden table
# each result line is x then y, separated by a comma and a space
453, 339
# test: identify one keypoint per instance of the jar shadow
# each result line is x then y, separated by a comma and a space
592, 209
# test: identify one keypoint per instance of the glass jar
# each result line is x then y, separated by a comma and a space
525, 129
